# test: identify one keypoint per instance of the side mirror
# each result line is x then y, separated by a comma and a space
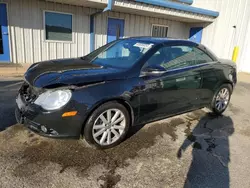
153, 71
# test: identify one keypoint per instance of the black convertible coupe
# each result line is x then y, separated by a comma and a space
124, 83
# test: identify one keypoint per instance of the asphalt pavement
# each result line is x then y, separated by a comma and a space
196, 149
8, 92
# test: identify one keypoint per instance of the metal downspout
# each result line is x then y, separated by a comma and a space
92, 23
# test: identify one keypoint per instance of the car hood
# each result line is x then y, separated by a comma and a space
63, 72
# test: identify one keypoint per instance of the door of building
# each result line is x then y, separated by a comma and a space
195, 34
4, 35
115, 29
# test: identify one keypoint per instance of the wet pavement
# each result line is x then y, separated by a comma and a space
196, 149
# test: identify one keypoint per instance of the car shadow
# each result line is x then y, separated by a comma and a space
209, 140
134, 129
210, 152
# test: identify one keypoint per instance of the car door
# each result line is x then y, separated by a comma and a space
174, 91
209, 78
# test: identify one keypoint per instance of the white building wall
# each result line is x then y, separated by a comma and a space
220, 36
244, 64
136, 25
27, 36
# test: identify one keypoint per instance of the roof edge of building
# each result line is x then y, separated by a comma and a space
181, 7
190, 2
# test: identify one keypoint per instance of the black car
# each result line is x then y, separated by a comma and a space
124, 83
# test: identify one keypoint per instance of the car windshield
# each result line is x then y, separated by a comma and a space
120, 54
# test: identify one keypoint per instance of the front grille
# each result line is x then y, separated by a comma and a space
28, 93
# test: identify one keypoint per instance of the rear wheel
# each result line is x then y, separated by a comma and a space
221, 99
107, 126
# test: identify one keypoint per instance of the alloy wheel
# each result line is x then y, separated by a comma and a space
222, 99
109, 127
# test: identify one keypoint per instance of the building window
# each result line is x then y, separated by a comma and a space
159, 31
58, 26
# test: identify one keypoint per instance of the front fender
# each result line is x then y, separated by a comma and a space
123, 91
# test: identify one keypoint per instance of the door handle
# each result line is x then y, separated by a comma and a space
5, 33
180, 79
197, 78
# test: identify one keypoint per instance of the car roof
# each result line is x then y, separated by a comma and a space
162, 40
172, 41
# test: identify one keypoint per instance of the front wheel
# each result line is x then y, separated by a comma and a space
221, 99
107, 126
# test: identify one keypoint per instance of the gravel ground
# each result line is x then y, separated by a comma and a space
191, 150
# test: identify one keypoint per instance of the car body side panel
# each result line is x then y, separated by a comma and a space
213, 76
93, 96
209, 82
170, 93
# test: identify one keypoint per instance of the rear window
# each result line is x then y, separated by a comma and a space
174, 57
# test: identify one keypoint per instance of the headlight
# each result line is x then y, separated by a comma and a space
52, 100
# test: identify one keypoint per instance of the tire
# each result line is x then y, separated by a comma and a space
109, 129
213, 105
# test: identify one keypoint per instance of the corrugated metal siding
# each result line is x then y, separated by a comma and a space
136, 25
26, 25
220, 36
145, 9
244, 64
160, 11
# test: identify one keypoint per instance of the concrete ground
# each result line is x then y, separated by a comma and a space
191, 150
13, 70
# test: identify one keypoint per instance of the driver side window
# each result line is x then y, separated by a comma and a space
157, 59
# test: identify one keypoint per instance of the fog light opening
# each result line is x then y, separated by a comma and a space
53, 132
48, 130
44, 129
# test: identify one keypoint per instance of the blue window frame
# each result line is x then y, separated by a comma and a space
4, 34
1, 42
58, 26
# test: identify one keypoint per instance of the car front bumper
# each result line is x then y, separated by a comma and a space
49, 124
